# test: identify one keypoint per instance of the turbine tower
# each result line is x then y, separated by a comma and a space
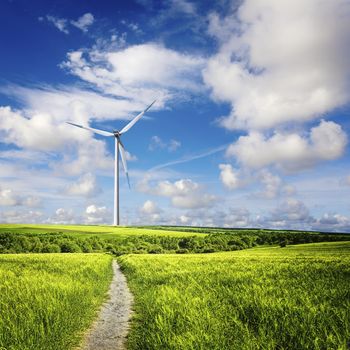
118, 147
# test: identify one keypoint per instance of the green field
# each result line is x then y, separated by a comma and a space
92, 231
248, 293
47, 301
262, 298
135, 240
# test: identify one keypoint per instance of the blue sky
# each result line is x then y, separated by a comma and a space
250, 127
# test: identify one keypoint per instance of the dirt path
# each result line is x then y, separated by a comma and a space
110, 329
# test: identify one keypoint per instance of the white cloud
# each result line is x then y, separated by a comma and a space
97, 215
333, 222
9, 198
25, 156
84, 22
21, 216
158, 143
291, 211
274, 186
59, 23
44, 133
85, 186
149, 207
235, 217
183, 6
280, 61
150, 212
290, 151
70, 103
133, 26
183, 193
130, 157
63, 216
184, 220
230, 177
143, 70
32, 201
40, 132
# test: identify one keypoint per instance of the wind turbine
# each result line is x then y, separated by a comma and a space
118, 146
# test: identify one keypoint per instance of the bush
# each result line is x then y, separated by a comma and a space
51, 248
70, 247
181, 251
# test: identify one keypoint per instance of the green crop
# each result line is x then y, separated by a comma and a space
47, 301
88, 231
263, 298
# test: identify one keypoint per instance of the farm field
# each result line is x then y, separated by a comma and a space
48, 300
262, 298
89, 231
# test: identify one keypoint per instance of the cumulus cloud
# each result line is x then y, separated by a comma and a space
149, 207
150, 212
21, 216
45, 133
280, 61
40, 132
291, 212
10, 198
143, 70
158, 143
97, 215
71, 103
63, 216
85, 186
84, 22
274, 186
290, 151
333, 222
230, 177
183, 193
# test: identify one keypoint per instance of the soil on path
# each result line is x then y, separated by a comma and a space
109, 331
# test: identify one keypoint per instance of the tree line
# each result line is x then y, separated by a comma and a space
150, 244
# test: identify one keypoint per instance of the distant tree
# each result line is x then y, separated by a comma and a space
283, 243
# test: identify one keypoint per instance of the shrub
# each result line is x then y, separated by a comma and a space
51, 248
70, 247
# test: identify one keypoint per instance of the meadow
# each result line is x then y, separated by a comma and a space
295, 297
47, 301
194, 288
86, 231
135, 240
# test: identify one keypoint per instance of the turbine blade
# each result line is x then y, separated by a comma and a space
131, 124
123, 157
96, 131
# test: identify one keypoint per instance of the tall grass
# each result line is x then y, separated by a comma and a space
264, 298
48, 300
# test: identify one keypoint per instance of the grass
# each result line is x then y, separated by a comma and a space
262, 298
48, 300
88, 231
